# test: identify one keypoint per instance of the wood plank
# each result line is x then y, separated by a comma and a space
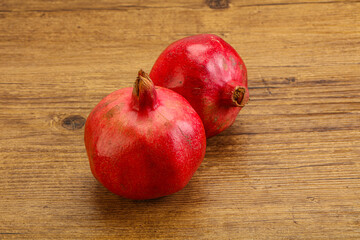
287, 169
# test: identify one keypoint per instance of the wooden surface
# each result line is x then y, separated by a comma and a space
289, 168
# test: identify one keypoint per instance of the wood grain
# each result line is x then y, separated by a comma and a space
289, 167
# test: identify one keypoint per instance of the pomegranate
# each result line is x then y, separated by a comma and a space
210, 74
144, 142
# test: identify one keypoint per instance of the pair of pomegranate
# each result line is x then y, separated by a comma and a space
147, 141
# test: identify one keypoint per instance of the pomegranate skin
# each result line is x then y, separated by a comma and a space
144, 143
210, 74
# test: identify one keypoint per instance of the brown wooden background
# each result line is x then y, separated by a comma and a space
289, 168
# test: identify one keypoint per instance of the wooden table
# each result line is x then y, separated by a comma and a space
289, 168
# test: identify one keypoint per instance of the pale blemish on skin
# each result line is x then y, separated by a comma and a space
185, 136
233, 62
225, 66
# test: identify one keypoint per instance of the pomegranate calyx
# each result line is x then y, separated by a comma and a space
239, 96
234, 95
144, 95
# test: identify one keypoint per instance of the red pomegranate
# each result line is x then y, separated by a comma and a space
144, 142
210, 74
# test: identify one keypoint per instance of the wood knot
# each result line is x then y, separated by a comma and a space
73, 122
218, 4
290, 79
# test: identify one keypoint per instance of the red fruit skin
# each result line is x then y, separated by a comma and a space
146, 153
205, 70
